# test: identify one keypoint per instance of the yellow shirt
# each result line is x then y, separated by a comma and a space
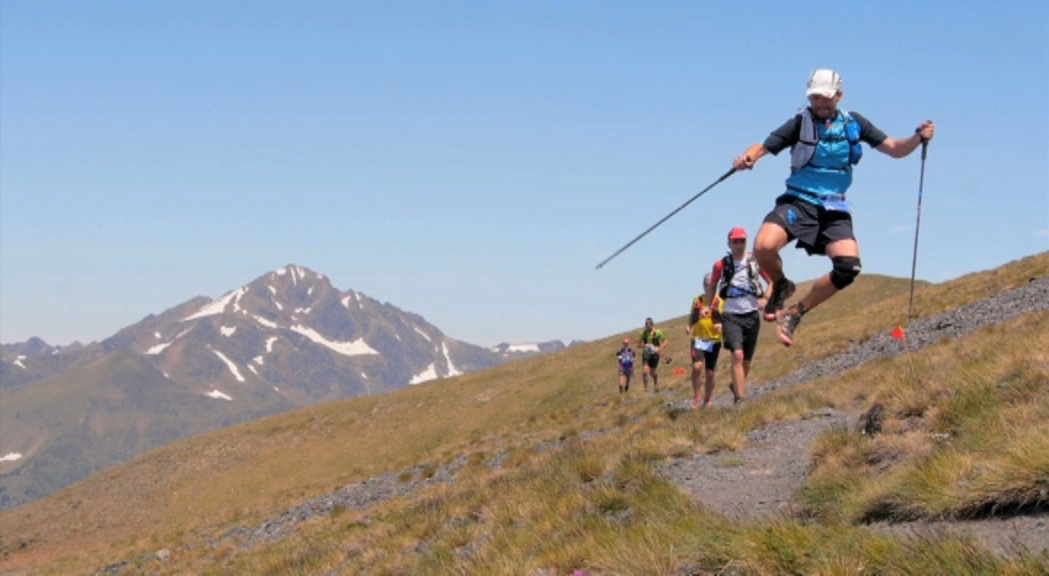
703, 328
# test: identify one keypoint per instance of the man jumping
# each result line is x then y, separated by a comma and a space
825, 145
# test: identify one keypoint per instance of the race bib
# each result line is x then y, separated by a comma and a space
836, 203
703, 345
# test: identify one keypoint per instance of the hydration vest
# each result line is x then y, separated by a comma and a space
728, 272
801, 153
654, 337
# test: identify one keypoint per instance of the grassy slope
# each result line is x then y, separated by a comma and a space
98, 413
186, 491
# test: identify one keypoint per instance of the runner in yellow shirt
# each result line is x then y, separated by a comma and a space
705, 345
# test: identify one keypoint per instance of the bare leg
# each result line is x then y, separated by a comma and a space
822, 289
697, 382
738, 373
746, 372
770, 240
708, 388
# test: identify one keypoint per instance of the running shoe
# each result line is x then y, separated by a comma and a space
787, 324
781, 290
736, 398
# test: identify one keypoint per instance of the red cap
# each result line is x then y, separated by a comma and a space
626, 340
737, 234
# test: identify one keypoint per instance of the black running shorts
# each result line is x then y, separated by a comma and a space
651, 360
710, 359
740, 332
813, 226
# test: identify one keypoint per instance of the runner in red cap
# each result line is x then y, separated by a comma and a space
743, 289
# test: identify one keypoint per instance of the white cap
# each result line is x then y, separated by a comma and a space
825, 82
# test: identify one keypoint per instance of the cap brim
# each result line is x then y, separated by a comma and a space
820, 92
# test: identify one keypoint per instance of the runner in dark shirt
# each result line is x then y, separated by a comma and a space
825, 144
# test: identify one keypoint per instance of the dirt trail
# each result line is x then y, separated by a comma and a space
760, 479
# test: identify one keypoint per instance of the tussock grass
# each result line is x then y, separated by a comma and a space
577, 485
966, 439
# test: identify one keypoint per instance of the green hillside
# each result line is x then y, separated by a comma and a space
577, 486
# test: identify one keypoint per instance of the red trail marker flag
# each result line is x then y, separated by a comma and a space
897, 333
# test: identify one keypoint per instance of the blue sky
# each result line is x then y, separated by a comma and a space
473, 161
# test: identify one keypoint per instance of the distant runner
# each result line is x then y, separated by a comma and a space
704, 330
625, 356
825, 143
651, 341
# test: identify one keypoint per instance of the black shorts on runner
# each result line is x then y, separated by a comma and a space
813, 226
710, 359
651, 360
740, 332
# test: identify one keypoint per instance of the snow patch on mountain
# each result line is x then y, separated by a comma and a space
218, 395
346, 301
426, 375
265, 322
451, 367
229, 364
227, 330
11, 457
356, 348
423, 334
158, 348
219, 306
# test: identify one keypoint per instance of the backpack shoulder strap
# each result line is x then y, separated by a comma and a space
805, 147
728, 270
808, 134
728, 267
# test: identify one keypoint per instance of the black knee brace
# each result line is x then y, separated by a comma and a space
846, 269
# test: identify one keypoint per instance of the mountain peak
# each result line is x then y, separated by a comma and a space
287, 338
300, 273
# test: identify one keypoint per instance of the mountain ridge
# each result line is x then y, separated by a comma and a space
286, 339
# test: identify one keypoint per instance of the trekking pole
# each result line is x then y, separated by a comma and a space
917, 226
665, 218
